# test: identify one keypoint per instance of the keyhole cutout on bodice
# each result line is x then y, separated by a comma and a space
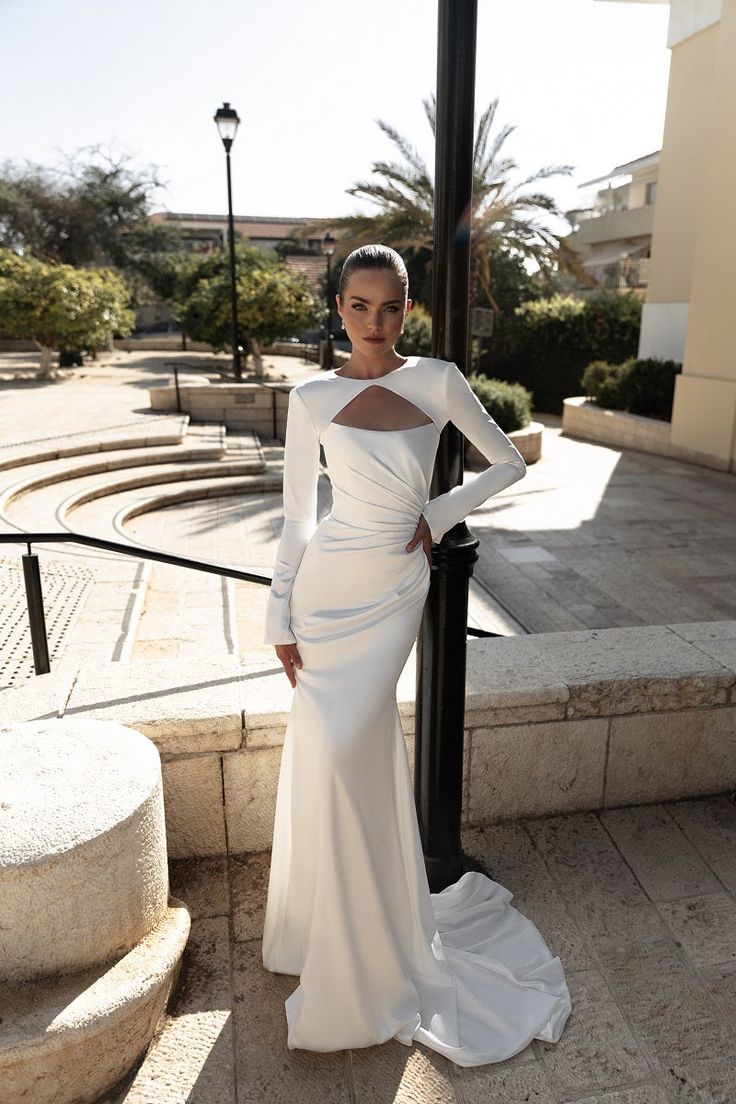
377, 407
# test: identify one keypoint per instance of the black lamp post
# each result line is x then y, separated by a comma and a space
328, 248
441, 647
227, 124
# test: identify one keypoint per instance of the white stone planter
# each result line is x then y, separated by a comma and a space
590, 422
528, 441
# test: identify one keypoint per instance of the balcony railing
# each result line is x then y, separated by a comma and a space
626, 273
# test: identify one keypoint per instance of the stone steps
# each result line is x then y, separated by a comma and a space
167, 612
91, 496
143, 432
138, 462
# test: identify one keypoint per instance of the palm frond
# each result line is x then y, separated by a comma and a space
503, 217
430, 110
405, 148
483, 131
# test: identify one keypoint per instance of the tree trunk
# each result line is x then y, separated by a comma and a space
44, 367
255, 348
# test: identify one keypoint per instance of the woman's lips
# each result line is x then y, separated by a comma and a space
374, 340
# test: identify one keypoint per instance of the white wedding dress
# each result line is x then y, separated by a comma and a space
349, 907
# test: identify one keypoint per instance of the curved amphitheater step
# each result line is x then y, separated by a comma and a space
33, 500
209, 496
142, 432
242, 530
92, 939
94, 599
184, 612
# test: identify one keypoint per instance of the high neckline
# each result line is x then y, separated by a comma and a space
375, 379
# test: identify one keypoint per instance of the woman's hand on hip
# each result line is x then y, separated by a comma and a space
290, 658
424, 534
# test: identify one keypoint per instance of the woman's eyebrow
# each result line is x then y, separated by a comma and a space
384, 304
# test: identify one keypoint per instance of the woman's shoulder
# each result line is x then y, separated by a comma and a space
435, 365
312, 383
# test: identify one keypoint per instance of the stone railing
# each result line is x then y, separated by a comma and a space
555, 722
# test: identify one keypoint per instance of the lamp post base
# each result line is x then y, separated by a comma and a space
439, 735
325, 354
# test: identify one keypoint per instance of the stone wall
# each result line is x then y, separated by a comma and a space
555, 722
261, 408
585, 419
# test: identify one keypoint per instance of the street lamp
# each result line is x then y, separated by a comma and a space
328, 248
439, 719
227, 124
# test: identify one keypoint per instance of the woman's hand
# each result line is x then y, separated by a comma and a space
289, 656
424, 534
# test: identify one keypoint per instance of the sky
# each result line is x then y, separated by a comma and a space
583, 82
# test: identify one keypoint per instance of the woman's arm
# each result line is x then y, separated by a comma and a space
467, 412
301, 471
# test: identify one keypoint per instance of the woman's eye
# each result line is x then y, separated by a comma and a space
361, 306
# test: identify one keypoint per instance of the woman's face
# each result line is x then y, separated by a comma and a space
373, 309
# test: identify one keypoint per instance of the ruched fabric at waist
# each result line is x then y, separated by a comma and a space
397, 519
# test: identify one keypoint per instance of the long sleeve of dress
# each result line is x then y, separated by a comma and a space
301, 472
467, 412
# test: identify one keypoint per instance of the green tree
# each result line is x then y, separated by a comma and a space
271, 301
94, 210
59, 306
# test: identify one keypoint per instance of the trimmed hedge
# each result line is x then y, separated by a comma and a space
509, 404
645, 387
548, 342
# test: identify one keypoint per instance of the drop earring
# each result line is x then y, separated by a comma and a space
342, 324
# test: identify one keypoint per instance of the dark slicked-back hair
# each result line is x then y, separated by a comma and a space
373, 256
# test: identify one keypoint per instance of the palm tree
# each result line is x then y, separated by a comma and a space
503, 217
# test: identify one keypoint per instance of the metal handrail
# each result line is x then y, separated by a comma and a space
140, 553
34, 590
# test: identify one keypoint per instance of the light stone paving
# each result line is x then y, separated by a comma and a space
648, 942
592, 537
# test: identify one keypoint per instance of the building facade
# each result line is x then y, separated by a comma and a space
613, 232
689, 306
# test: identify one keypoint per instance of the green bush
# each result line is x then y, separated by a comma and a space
645, 387
612, 391
509, 404
548, 342
650, 387
594, 376
416, 339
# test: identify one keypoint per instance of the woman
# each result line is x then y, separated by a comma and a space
349, 907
